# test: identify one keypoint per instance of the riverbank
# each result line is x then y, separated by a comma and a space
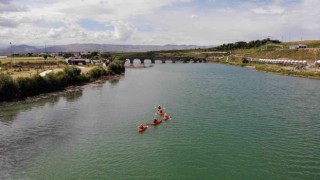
309, 72
66, 91
23, 87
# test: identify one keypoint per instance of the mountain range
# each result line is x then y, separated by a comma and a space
94, 47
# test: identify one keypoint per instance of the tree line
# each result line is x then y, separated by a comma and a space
244, 45
22, 87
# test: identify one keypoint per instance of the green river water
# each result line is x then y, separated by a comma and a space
226, 123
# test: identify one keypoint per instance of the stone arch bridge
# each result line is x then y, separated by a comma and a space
166, 59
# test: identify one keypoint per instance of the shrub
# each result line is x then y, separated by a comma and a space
52, 82
8, 88
27, 86
73, 75
97, 72
245, 60
24, 86
116, 67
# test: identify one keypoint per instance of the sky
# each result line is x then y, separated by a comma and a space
156, 22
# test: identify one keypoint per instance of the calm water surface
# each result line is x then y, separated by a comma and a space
227, 123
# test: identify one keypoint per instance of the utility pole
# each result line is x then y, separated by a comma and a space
11, 52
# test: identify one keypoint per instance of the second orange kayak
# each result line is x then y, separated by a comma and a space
156, 122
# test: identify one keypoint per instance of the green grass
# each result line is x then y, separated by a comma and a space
301, 54
279, 70
309, 43
28, 59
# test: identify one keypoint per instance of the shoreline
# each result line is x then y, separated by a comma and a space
62, 92
274, 70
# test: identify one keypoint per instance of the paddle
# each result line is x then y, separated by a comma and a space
161, 108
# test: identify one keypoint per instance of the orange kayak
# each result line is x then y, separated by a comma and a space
156, 123
165, 118
160, 112
142, 128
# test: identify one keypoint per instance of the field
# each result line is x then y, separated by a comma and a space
309, 54
29, 66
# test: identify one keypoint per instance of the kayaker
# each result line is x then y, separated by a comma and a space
155, 121
160, 112
165, 116
159, 108
141, 126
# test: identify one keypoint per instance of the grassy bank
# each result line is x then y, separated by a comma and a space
300, 54
11, 89
280, 70
277, 69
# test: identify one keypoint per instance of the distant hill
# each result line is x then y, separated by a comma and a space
96, 47
19, 49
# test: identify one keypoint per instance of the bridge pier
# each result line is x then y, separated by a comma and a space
163, 61
142, 61
131, 61
173, 61
153, 61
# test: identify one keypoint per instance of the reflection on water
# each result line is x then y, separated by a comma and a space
71, 97
228, 123
114, 81
23, 135
9, 111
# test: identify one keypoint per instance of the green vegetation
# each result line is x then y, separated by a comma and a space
309, 43
96, 73
300, 54
29, 86
245, 60
279, 70
67, 55
30, 60
8, 88
245, 45
116, 67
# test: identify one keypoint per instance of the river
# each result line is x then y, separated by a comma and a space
226, 123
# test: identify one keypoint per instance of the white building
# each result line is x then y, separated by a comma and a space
298, 46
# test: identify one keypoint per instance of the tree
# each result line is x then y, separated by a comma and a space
45, 56
67, 55
245, 60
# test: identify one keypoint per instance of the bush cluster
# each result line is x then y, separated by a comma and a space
24, 86
245, 45
116, 67
8, 88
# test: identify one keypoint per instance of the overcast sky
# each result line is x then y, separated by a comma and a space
198, 22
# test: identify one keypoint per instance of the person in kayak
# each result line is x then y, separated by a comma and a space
160, 112
165, 117
155, 121
159, 108
141, 126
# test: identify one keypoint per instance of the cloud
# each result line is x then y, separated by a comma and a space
123, 30
272, 10
157, 21
9, 6
56, 33
5, 1
194, 16
5, 22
